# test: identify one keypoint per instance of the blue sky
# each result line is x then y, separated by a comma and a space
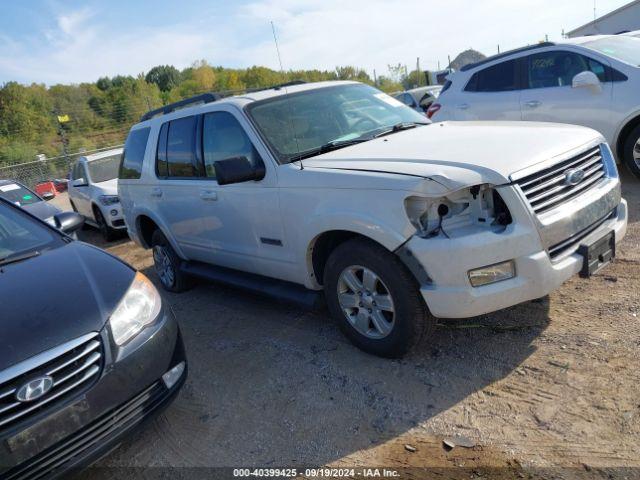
64, 41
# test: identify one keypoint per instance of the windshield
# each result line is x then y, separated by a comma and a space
305, 121
625, 49
20, 233
104, 169
18, 194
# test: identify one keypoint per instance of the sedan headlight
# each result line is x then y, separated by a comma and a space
107, 200
137, 310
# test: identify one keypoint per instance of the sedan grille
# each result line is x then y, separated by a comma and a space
69, 368
555, 185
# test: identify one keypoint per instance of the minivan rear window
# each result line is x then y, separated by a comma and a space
133, 155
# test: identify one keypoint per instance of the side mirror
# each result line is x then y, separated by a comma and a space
46, 196
68, 222
236, 170
587, 80
79, 182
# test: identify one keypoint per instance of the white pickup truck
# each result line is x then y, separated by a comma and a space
336, 187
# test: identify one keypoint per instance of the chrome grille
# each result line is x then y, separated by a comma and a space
72, 366
548, 189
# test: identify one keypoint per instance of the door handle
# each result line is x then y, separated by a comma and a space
463, 106
156, 192
533, 103
208, 195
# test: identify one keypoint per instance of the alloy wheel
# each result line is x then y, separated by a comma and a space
163, 265
366, 302
636, 153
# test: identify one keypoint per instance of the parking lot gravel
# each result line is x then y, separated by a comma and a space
547, 386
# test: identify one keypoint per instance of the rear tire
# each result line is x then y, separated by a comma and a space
167, 265
108, 233
631, 151
375, 299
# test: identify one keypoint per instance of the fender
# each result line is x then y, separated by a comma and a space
139, 211
390, 236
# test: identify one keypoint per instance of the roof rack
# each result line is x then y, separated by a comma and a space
211, 97
469, 66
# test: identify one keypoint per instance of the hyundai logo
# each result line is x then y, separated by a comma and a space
573, 176
34, 389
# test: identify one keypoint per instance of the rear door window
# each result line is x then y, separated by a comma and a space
497, 78
176, 156
133, 155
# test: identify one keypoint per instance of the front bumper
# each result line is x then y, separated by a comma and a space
113, 216
130, 390
449, 293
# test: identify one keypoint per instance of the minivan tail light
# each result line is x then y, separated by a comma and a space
433, 109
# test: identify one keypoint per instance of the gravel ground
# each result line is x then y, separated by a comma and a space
546, 388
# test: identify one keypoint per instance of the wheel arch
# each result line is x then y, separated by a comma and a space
632, 122
146, 223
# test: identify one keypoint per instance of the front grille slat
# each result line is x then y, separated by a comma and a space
50, 398
71, 366
546, 190
91, 346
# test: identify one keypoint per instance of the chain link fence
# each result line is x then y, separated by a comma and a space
45, 169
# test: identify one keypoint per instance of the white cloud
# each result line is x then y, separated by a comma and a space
312, 34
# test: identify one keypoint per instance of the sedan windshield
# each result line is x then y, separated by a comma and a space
315, 121
104, 169
21, 235
18, 194
626, 49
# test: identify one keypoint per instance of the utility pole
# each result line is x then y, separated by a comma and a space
498, 48
375, 78
418, 73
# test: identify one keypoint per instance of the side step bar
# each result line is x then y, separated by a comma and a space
279, 290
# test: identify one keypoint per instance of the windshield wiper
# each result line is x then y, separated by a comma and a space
18, 257
327, 147
399, 127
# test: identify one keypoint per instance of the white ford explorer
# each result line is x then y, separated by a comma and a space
336, 187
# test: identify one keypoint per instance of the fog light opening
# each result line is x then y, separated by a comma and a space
172, 376
492, 273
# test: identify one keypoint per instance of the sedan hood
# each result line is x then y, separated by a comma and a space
57, 296
42, 210
458, 154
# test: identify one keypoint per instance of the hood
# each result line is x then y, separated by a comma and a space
458, 154
110, 187
57, 296
42, 210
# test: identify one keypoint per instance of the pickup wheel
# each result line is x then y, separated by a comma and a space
375, 299
167, 264
631, 151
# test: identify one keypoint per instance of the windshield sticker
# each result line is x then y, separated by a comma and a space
27, 197
8, 188
390, 100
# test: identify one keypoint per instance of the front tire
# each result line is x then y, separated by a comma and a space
631, 152
167, 264
108, 233
375, 299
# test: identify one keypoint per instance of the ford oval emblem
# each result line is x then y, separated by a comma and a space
573, 176
34, 389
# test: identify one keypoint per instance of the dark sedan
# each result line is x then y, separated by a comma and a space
87, 348
22, 196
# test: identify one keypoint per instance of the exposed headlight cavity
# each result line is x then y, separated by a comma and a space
138, 309
480, 206
107, 200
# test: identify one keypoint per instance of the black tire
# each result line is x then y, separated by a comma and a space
162, 249
411, 320
108, 233
630, 143
73, 206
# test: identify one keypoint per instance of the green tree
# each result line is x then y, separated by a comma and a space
164, 76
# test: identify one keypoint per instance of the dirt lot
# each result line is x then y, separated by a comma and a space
547, 389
